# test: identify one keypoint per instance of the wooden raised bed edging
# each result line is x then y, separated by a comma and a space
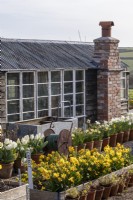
41, 195
17, 193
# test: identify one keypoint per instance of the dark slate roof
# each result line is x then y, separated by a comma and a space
43, 55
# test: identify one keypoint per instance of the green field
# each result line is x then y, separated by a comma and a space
126, 55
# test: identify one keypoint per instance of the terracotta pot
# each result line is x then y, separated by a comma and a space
120, 137
126, 136
81, 146
18, 165
6, 171
131, 135
127, 182
131, 179
36, 157
99, 193
114, 190
112, 142
105, 142
106, 192
83, 197
91, 195
89, 145
121, 188
67, 198
98, 145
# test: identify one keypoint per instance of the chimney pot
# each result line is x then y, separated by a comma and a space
106, 28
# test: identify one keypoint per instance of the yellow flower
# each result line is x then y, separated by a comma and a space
71, 179
71, 149
55, 175
0, 166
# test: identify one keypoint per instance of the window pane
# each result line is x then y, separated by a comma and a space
12, 92
79, 75
28, 91
13, 79
68, 75
68, 111
28, 105
13, 106
79, 99
42, 103
56, 112
55, 76
79, 87
69, 98
55, 88
79, 110
55, 100
81, 122
123, 84
42, 89
123, 93
68, 87
13, 118
28, 116
28, 78
42, 113
42, 77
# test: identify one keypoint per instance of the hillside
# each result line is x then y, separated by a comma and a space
126, 54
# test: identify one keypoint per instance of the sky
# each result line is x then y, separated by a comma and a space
69, 20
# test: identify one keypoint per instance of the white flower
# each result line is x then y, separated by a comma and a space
9, 147
37, 136
7, 141
0, 129
18, 141
22, 148
24, 141
31, 136
14, 145
26, 137
1, 145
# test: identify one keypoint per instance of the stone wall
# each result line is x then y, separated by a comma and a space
2, 98
91, 94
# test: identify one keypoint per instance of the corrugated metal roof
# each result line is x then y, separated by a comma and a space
43, 55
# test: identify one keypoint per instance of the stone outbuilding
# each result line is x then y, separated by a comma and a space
58, 78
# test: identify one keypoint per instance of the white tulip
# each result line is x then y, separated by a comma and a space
14, 145
26, 137
31, 136
9, 147
37, 137
18, 141
7, 141
1, 145
24, 141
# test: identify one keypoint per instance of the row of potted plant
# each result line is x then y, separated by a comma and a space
100, 134
57, 172
14, 153
102, 188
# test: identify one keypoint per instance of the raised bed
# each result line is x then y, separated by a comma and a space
10, 190
41, 195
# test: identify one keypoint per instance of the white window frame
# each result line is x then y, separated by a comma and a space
62, 81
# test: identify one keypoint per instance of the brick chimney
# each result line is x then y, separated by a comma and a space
106, 55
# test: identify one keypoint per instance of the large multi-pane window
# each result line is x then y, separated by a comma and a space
123, 85
54, 93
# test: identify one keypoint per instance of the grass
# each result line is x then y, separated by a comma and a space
130, 98
126, 54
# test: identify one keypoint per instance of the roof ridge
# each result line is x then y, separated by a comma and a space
44, 41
